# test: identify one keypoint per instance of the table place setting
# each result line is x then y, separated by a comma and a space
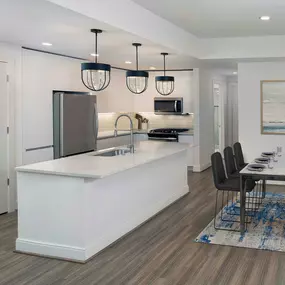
256, 167
262, 160
266, 159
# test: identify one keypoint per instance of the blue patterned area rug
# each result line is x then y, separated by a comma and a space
266, 230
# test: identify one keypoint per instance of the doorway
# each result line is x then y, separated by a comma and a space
4, 139
218, 95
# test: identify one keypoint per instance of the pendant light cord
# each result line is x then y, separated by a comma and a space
96, 48
137, 57
164, 65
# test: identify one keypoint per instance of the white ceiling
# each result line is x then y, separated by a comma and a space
31, 22
221, 18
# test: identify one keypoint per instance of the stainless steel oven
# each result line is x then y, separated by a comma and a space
168, 106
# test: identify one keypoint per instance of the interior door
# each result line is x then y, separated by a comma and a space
3, 139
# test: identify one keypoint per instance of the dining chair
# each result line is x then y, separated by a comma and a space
228, 187
230, 163
239, 156
232, 172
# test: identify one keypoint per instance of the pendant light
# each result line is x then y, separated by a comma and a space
96, 76
164, 84
137, 80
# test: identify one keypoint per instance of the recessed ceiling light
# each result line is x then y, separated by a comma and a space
264, 18
235, 73
94, 54
152, 68
128, 62
47, 44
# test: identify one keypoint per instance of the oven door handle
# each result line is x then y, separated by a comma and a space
175, 106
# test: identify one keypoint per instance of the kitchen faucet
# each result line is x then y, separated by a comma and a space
132, 146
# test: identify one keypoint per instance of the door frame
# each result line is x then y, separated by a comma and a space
12, 55
222, 113
8, 134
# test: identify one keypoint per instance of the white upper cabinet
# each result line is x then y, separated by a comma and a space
41, 74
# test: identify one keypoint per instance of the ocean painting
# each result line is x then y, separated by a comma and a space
272, 107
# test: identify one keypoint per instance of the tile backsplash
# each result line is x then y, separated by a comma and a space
107, 121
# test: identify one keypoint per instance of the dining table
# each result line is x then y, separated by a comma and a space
276, 172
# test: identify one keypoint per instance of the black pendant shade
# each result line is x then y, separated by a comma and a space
164, 84
96, 76
137, 80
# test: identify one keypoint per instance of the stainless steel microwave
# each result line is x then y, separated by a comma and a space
168, 106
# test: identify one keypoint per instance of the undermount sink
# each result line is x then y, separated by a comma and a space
115, 152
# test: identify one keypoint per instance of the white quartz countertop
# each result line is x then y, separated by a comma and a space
96, 167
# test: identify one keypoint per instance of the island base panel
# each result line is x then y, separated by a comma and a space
75, 218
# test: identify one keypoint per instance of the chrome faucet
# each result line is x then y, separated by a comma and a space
132, 146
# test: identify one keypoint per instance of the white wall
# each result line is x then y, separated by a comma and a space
41, 74
243, 47
249, 77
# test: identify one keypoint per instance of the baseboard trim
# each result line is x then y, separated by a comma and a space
201, 168
75, 254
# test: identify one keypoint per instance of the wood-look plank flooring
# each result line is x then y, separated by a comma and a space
161, 252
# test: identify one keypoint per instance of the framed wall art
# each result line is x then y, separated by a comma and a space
272, 107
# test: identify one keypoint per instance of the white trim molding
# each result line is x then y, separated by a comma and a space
201, 168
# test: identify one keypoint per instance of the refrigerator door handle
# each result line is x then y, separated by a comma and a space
61, 99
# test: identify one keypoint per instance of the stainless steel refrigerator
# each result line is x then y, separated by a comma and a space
75, 123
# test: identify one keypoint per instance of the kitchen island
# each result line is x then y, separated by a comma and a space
72, 208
